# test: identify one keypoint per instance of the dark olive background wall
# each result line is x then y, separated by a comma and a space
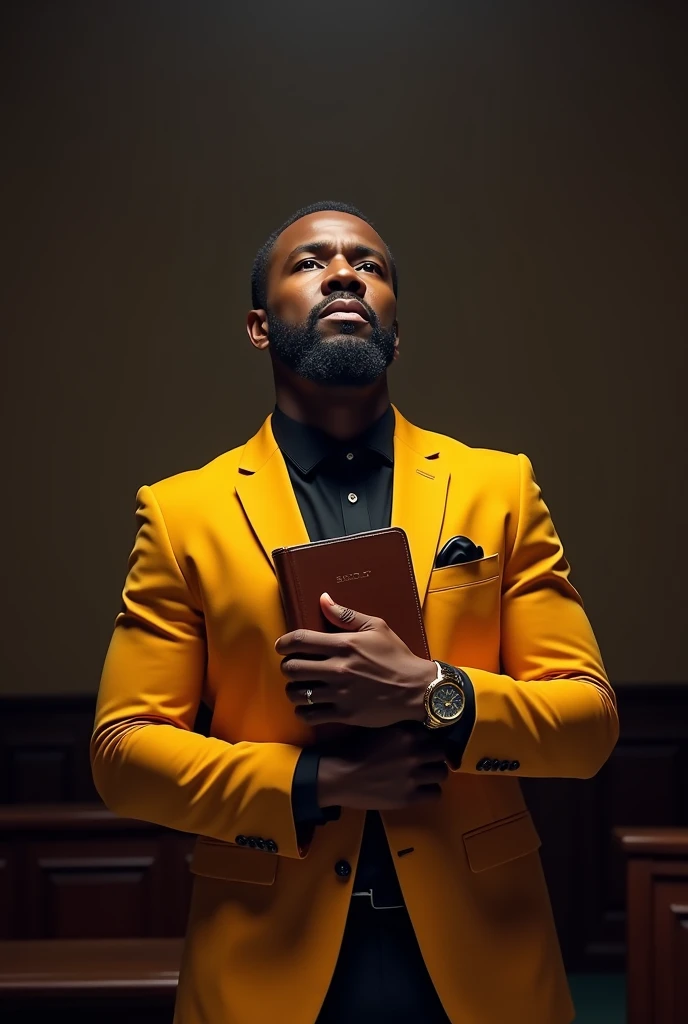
525, 161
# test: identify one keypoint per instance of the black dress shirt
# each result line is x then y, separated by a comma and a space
345, 487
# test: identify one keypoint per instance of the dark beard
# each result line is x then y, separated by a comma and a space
339, 360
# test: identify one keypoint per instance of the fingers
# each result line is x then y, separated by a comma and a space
296, 691
431, 773
310, 641
317, 714
424, 745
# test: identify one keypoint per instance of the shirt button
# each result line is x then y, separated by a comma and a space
352, 497
349, 456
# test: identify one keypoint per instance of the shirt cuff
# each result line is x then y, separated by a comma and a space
304, 793
457, 736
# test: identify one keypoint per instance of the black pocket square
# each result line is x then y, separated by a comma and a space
456, 550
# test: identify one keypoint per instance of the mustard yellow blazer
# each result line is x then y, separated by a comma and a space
200, 615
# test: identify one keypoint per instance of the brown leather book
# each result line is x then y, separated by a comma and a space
371, 572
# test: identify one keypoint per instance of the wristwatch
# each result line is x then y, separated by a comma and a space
445, 699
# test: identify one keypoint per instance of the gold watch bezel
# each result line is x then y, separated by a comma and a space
444, 678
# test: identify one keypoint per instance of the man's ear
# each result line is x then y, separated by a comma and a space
257, 328
395, 325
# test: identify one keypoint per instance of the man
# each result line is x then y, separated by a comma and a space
397, 878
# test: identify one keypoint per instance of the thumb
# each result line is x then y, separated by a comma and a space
345, 617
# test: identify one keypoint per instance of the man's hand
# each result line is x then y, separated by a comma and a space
367, 676
390, 768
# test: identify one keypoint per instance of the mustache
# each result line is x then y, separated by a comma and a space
314, 314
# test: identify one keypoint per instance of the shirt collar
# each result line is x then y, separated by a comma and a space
306, 446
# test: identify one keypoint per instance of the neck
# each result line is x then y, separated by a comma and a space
342, 413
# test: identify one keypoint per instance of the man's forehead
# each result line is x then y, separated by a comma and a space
326, 226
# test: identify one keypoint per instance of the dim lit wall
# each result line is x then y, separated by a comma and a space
526, 163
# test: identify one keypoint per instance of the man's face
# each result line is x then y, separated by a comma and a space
331, 304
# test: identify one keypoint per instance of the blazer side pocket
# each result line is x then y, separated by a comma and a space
501, 841
216, 859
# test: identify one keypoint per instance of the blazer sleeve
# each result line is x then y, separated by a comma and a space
551, 710
147, 762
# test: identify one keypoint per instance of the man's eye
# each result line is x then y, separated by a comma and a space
310, 264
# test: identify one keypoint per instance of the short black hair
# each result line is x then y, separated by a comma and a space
259, 274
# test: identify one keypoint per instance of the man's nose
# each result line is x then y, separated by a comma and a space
342, 278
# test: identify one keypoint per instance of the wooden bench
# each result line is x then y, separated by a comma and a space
89, 981
657, 926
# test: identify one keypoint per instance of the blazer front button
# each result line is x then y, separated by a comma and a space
342, 868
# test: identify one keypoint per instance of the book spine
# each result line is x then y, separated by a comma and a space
289, 591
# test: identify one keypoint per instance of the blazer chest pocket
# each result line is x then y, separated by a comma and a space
464, 574
216, 859
501, 841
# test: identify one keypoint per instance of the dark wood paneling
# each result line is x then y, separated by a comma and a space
94, 889
44, 757
80, 872
44, 749
5, 890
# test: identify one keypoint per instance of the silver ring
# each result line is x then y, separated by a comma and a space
309, 696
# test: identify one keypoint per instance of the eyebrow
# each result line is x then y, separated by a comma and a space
322, 247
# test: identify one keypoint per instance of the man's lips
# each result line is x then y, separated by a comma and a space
344, 316
345, 309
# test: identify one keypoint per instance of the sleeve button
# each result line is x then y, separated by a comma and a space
271, 845
241, 840
514, 765
252, 842
503, 765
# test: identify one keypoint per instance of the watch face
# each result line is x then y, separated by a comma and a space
447, 701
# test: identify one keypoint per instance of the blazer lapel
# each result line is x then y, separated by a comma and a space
266, 493
419, 494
